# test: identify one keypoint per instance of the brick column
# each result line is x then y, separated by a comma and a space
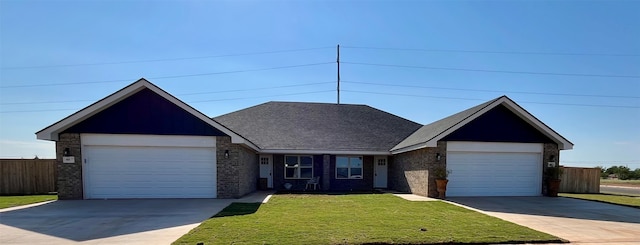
227, 168
432, 163
549, 149
69, 174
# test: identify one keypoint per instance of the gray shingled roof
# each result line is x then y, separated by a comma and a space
432, 130
319, 126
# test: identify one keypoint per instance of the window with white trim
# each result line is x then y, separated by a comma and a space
298, 167
348, 167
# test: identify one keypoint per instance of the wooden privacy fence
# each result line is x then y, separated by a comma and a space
580, 180
27, 176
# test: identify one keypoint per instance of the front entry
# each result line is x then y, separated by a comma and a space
266, 169
380, 172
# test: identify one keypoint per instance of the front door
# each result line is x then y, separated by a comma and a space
380, 172
266, 169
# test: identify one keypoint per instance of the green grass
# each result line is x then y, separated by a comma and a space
620, 182
608, 198
355, 219
12, 201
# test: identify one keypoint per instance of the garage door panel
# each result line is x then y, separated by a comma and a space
494, 174
149, 171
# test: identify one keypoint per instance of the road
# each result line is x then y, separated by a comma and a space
620, 189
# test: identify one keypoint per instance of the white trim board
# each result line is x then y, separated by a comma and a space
147, 140
460, 146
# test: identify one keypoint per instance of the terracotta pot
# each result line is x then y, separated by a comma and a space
441, 186
553, 186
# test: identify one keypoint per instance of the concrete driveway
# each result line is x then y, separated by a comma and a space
575, 220
106, 221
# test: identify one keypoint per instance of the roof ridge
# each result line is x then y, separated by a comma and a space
320, 103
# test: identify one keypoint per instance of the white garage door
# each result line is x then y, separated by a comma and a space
148, 166
494, 169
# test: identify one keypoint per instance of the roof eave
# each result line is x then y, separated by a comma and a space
414, 147
563, 143
324, 152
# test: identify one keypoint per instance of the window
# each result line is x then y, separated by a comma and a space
264, 160
298, 167
348, 167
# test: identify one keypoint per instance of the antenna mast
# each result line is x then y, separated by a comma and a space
338, 62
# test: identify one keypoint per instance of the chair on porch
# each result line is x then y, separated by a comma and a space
315, 181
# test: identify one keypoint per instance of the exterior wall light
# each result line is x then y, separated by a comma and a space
226, 153
552, 161
66, 152
438, 156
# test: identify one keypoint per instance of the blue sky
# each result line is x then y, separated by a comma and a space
422, 60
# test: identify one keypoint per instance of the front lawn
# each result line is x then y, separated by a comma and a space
608, 198
355, 219
12, 201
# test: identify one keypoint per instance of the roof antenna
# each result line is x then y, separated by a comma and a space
338, 62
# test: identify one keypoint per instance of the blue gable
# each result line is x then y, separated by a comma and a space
145, 113
498, 125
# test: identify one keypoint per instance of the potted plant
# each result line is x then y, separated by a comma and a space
552, 176
441, 173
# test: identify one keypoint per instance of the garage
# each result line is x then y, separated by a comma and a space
494, 169
148, 166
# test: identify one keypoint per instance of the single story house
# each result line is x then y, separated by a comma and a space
142, 142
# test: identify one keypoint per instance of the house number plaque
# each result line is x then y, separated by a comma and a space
69, 159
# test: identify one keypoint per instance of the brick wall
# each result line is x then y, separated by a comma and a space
248, 170
550, 149
69, 174
409, 171
238, 174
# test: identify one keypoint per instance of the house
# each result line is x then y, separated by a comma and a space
142, 142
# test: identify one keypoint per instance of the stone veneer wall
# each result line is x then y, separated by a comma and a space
409, 171
238, 174
69, 174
